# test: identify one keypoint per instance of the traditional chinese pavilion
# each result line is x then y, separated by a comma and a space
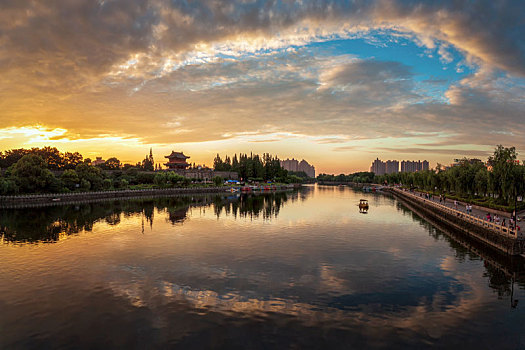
177, 160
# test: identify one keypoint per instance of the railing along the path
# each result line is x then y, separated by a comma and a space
498, 228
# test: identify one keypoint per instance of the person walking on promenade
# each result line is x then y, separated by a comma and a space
455, 204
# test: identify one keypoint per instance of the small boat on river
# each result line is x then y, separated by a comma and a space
363, 205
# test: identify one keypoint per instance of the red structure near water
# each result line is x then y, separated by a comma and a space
177, 161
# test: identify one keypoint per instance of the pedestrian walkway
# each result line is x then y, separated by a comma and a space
461, 206
505, 239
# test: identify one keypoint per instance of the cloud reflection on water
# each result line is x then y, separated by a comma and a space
304, 265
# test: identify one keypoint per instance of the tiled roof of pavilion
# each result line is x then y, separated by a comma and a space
179, 155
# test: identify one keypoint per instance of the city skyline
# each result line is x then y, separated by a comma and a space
328, 81
296, 165
380, 167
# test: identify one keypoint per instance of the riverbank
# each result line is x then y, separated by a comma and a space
477, 210
483, 203
345, 183
22, 201
499, 237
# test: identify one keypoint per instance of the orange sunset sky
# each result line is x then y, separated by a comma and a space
337, 83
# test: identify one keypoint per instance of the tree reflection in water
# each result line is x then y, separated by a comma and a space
501, 270
48, 224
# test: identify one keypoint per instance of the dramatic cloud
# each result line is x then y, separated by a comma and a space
163, 72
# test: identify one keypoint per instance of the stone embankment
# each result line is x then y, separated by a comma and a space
499, 237
34, 200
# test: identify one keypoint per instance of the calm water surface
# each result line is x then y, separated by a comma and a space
288, 270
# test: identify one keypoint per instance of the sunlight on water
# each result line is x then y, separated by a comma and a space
295, 269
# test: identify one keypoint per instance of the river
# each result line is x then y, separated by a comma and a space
301, 269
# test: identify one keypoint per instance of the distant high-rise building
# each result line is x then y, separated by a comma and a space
410, 166
296, 166
378, 167
290, 164
392, 167
307, 168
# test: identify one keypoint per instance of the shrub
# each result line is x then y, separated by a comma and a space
160, 179
106, 184
145, 178
217, 180
70, 179
85, 185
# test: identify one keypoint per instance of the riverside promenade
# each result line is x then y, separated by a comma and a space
477, 211
503, 238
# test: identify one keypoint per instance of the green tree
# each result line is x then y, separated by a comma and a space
85, 185
112, 164
217, 180
120, 183
10, 157
293, 179
70, 179
145, 178
51, 155
106, 184
160, 179
31, 174
90, 174
174, 179
482, 181
148, 163
501, 177
8, 186
218, 164
71, 160
235, 164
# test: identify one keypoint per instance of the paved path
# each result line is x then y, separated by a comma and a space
481, 213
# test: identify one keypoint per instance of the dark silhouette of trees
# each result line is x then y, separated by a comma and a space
54, 159
71, 160
112, 164
252, 166
148, 163
359, 177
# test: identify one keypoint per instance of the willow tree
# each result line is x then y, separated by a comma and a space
503, 163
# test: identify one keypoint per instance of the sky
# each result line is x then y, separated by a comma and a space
337, 83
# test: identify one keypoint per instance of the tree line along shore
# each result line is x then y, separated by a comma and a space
47, 170
498, 183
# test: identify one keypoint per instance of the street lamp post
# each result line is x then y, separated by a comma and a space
515, 213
